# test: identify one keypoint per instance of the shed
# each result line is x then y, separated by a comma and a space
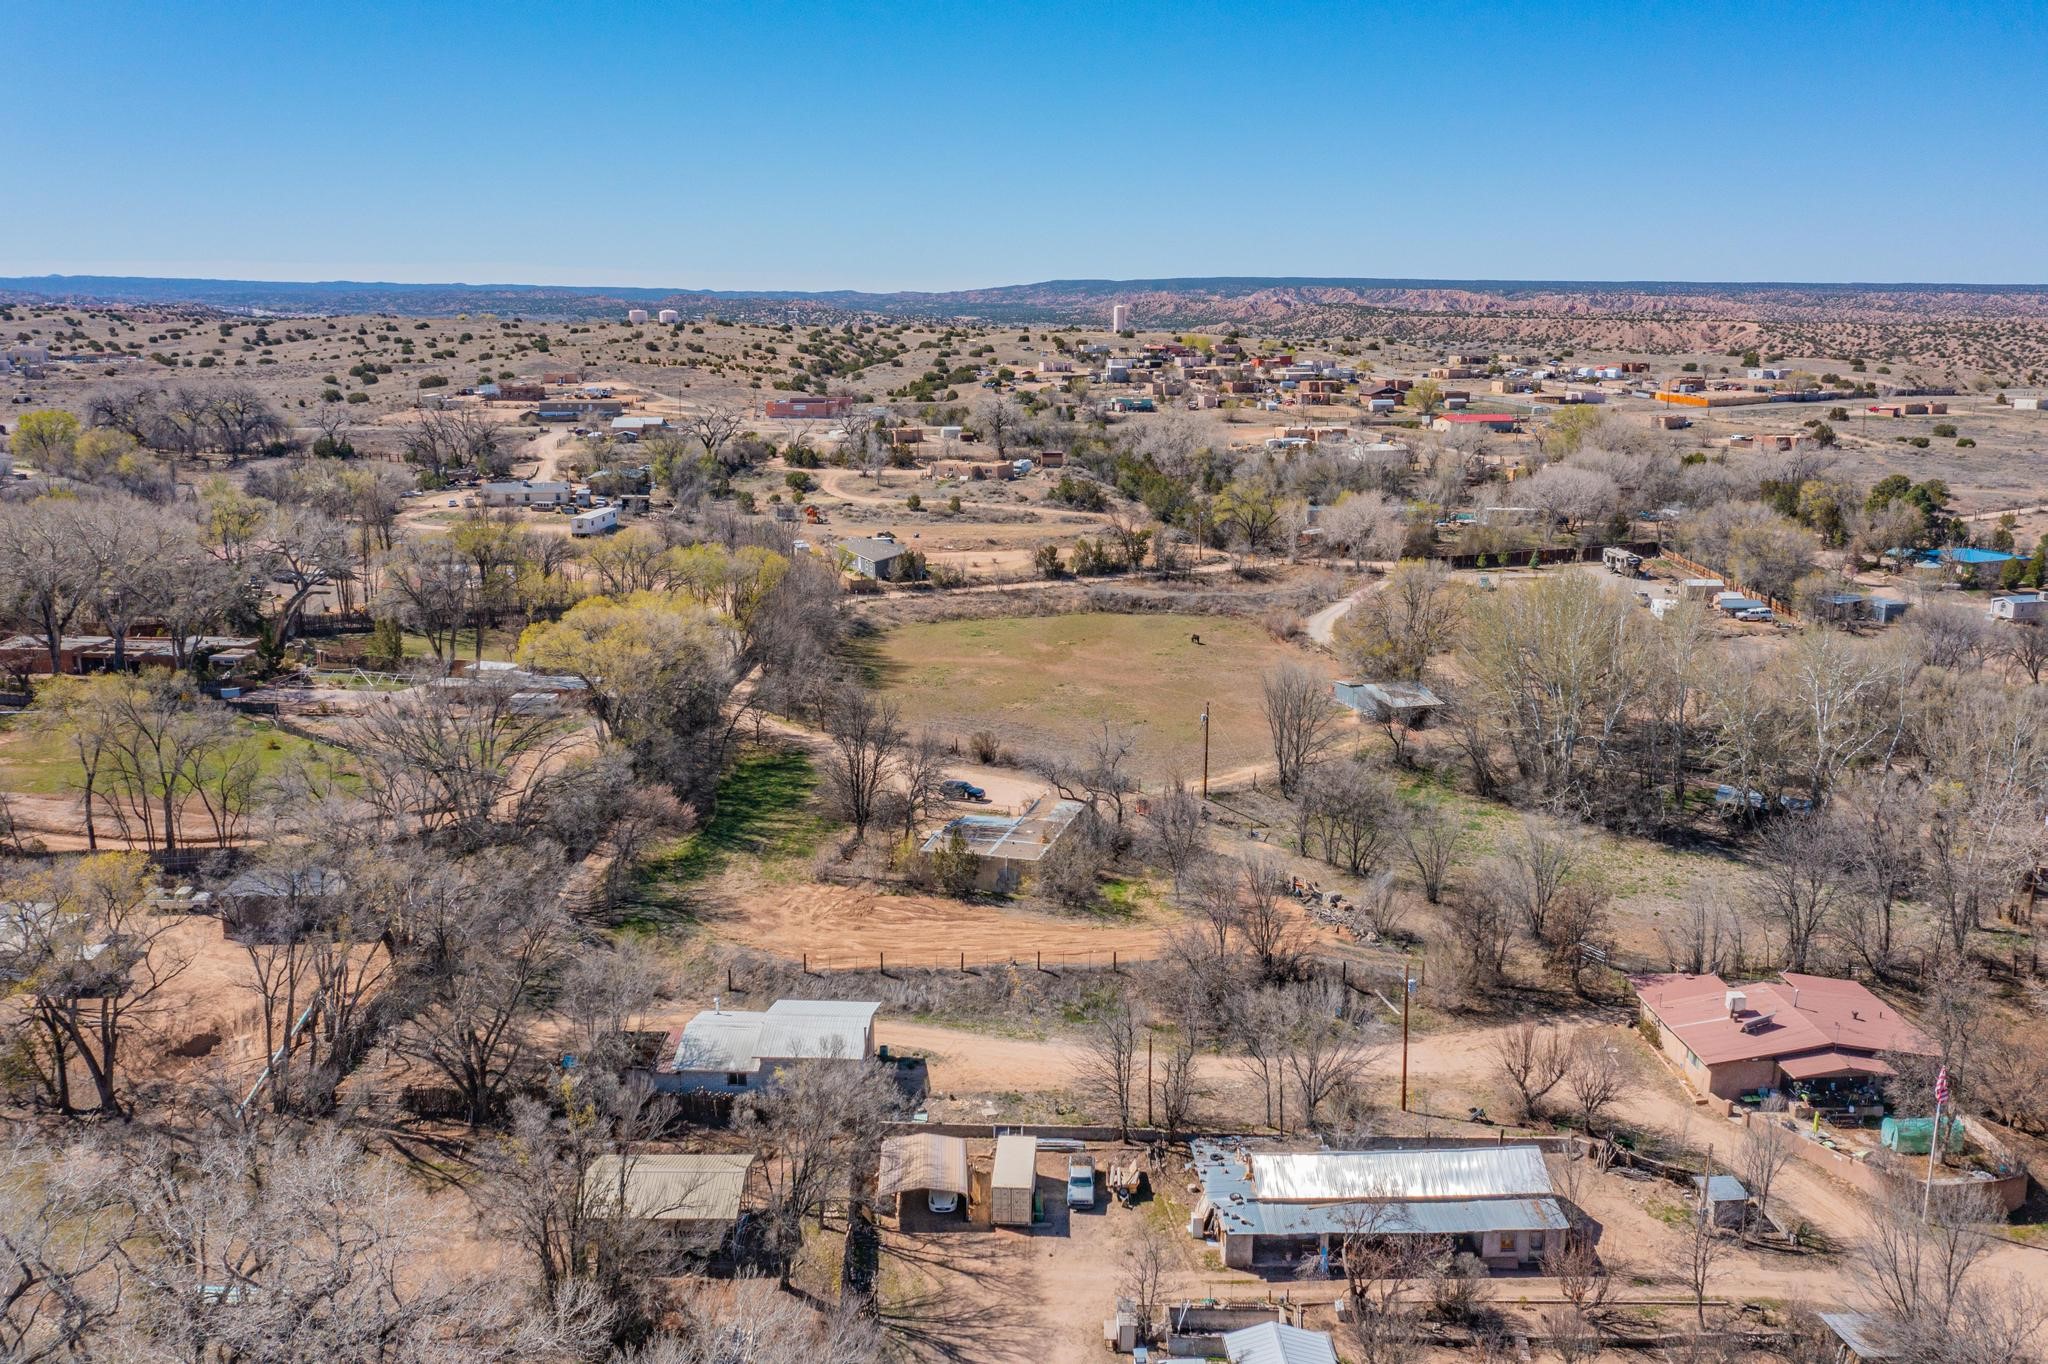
1885, 610
922, 1163
1407, 702
701, 1191
1013, 1185
1861, 1337
1727, 1200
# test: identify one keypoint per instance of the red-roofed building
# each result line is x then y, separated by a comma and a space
1732, 1040
1492, 421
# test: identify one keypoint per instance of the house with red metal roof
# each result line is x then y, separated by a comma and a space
1491, 421
1797, 1032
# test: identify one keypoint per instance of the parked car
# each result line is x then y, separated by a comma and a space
961, 790
1081, 1182
1755, 613
942, 1201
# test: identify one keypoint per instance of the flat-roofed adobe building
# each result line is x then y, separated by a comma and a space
1797, 1032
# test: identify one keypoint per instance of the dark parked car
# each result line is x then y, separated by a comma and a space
961, 790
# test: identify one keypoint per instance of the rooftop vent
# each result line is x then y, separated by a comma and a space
1737, 1002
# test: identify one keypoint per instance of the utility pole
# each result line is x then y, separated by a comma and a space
1205, 750
1407, 993
1148, 1078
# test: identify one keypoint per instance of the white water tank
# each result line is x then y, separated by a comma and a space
1737, 1002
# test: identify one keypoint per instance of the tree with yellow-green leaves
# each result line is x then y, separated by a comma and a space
1425, 397
1569, 427
658, 669
45, 438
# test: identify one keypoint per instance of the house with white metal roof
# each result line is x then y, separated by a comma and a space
1274, 1342
731, 1050
1494, 1202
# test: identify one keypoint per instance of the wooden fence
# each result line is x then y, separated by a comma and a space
1778, 605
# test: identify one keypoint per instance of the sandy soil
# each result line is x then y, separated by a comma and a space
844, 926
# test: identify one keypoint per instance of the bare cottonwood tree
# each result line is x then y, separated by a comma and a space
1301, 718
1798, 880
1595, 1075
812, 1125
1698, 1254
1109, 1059
1324, 1052
1534, 1061
865, 739
1765, 1150
1174, 836
1433, 835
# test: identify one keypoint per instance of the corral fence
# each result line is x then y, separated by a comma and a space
1374, 972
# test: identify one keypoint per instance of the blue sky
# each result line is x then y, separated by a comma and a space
913, 145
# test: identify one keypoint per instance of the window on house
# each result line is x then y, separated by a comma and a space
733, 1077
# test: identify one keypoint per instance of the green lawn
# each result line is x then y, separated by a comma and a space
1042, 683
764, 812
39, 763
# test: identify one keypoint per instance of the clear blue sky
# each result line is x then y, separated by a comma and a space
743, 145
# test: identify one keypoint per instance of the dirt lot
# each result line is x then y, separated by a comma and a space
1043, 684
845, 926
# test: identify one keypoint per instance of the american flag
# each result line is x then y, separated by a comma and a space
1941, 1086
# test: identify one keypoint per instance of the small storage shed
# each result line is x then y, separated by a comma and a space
1727, 1200
914, 1166
1013, 1185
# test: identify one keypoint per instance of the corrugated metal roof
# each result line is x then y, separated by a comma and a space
674, 1188
1016, 1165
789, 1029
1723, 1189
1467, 1217
1271, 1342
1867, 1336
1327, 1176
923, 1161
1240, 1209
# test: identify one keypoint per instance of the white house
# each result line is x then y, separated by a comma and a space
731, 1050
596, 521
525, 493
2026, 607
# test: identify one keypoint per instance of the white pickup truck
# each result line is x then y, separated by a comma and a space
1081, 1182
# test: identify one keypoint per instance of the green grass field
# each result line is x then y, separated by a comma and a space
37, 763
1042, 682
763, 812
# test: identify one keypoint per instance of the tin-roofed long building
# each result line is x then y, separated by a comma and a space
1269, 1208
729, 1050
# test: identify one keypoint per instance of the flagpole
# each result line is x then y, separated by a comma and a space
1934, 1145
1927, 1193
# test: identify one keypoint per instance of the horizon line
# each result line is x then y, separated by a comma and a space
1142, 282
